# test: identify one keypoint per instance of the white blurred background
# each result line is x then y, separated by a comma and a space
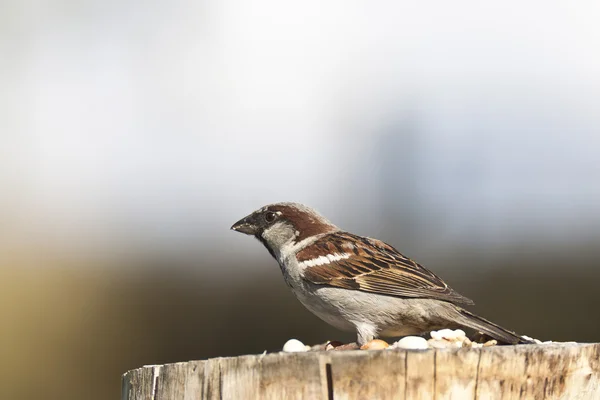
133, 134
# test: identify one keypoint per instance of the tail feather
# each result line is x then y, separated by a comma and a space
491, 329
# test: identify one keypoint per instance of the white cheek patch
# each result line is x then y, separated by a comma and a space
276, 230
323, 260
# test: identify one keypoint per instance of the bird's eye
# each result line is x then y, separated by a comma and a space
270, 216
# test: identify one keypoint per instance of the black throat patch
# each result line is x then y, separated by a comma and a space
264, 242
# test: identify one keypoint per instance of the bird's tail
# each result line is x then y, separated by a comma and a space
491, 329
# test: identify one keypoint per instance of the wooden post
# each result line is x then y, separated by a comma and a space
551, 371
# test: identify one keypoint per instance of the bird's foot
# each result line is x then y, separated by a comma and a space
337, 346
375, 344
347, 346
333, 345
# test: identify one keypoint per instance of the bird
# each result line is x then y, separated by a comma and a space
359, 284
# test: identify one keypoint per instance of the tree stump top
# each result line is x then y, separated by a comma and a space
548, 371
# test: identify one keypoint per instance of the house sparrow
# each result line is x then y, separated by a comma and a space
356, 283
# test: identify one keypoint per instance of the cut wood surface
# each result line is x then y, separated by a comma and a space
549, 371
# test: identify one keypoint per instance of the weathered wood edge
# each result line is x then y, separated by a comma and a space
205, 377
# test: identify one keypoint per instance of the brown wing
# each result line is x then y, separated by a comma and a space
348, 261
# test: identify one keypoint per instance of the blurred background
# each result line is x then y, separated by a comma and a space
133, 134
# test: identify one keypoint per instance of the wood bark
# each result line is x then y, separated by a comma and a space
550, 371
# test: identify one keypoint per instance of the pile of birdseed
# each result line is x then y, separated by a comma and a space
442, 339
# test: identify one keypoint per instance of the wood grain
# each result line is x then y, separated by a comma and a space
555, 371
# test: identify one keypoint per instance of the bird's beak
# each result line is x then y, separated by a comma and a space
245, 225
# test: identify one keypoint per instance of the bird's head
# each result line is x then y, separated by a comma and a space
283, 224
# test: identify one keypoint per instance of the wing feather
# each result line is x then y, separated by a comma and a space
374, 267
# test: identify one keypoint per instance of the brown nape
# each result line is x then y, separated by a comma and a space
307, 223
